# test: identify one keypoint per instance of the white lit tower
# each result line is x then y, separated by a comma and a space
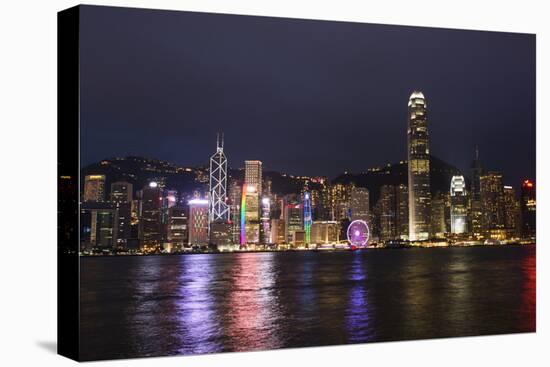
218, 208
418, 168
266, 220
459, 205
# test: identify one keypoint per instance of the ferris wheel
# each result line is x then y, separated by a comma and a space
358, 233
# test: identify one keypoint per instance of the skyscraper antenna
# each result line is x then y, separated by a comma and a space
477, 153
219, 141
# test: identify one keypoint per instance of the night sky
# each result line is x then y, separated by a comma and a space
305, 97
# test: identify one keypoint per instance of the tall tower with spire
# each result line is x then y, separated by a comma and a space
475, 202
418, 168
218, 208
477, 171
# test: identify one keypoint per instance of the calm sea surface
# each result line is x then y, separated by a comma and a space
167, 305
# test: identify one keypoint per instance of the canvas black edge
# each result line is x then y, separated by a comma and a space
68, 182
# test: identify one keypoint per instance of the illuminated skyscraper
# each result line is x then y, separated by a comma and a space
316, 207
278, 231
386, 205
250, 215
475, 197
492, 206
97, 226
359, 204
307, 217
121, 199
419, 168
218, 208
198, 221
477, 172
177, 231
459, 205
253, 175
393, 212
439, 212
150, 230
294, 220
325, 209
250, 204
528, 206
341, 201
94, 188
512, 213
402, 211
266, 220
235, 193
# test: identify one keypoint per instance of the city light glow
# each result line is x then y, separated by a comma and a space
406, 217
198, 202
308, 218
243, 210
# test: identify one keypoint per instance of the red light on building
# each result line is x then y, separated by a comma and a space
528, 183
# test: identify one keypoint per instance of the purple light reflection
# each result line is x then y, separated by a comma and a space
359, 314
198, 323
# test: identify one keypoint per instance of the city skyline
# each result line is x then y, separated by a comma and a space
467, 79
244, 183
486, 210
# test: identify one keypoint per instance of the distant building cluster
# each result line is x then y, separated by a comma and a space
488, 211
247, 213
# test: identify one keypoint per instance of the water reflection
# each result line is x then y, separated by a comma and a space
359, 312
160, 305
307, 304
197, 319
529, 298
153, 289
458, 285
254, 314
417, 281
